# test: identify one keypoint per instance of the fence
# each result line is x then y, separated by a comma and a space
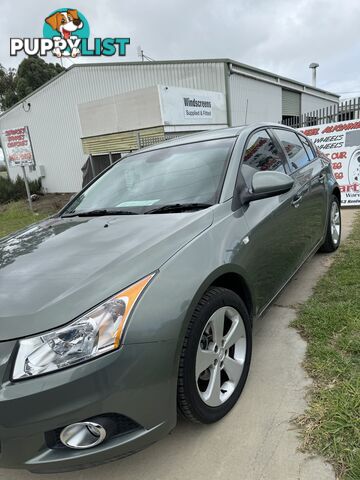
348, 110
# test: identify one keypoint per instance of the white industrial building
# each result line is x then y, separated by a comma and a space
117, 107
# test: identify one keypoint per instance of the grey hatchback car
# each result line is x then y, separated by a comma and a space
137, 300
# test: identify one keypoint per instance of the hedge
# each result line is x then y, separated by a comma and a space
10, 191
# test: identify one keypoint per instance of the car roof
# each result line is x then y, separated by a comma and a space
211, 135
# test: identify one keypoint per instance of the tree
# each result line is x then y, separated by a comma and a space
8, 96
31, 74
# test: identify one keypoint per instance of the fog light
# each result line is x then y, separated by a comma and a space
83, 435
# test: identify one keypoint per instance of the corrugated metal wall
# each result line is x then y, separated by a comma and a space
53, 119
253, 101
309, 103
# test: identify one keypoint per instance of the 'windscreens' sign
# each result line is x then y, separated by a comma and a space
341, 143
197, 107
188, 106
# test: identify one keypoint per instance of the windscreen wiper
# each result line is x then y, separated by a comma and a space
97, 213
179, 207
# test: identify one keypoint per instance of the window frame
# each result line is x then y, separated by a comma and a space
240, 180
308, 142
275, 142
291, 169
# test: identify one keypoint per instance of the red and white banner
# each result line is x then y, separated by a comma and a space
16, 145
341, 143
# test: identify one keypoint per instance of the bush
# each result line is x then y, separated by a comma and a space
10, 191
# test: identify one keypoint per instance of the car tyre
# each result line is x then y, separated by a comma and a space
333, 231
208, 396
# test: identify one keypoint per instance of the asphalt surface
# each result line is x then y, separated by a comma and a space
256, 441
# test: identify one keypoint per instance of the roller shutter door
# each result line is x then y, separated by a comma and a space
291, 103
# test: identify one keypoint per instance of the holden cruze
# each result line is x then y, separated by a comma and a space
137, 299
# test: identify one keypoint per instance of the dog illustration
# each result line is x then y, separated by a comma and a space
66, 23
354, 167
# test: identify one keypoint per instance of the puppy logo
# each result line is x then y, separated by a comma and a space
66, 32
69, 25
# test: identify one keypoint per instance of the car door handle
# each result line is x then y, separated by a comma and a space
322, 177
296, 200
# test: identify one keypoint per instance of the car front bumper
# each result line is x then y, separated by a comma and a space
137, 382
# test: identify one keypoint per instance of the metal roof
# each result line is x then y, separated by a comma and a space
266, 76
213, 60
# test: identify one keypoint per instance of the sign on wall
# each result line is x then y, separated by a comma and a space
16, 144
197, 107
183, 106
341, 143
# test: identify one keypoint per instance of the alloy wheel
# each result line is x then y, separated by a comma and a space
335, 223
220, 356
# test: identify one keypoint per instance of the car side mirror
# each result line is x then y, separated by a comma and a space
266, 184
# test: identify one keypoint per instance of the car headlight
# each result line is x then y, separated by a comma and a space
97, 332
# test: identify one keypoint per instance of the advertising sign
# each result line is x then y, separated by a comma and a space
182, 106
17, 148
341, 143
197, 107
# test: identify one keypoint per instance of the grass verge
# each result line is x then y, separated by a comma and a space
16, 215
330, 322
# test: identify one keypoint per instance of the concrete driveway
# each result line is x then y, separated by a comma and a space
256, 441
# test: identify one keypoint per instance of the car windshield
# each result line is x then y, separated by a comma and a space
188, 174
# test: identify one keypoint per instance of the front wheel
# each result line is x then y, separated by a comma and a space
215, 358
333, 232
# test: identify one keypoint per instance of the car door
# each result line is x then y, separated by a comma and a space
272, 241
310, 200
318, 191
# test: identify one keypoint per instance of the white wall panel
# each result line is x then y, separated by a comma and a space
262, 101
309, 103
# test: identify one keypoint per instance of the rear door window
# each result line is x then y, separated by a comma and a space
293, 147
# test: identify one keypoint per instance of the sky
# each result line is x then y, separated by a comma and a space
281, 36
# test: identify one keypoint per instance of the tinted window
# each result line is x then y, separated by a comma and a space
294, 148
307, 147
260, 154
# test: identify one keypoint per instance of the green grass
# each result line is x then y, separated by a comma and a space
330, 322
15, 216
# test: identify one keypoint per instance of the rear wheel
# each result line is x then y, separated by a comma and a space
333, 233
215, 358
